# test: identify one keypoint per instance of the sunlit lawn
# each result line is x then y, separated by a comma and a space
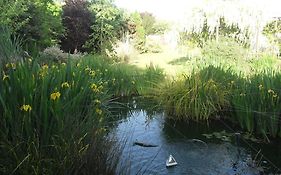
163, 60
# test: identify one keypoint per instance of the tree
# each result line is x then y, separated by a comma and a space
151, 25
108, 26
37, 22
77, 20
273, 32
249, 20
10, 10
139, 35
148, 22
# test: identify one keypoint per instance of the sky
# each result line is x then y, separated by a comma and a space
174, 10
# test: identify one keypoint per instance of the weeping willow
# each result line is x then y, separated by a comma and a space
249, 16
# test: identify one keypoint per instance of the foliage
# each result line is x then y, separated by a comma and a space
10, 47
47, 103
256, 103
224, 31
243, 21
124, 51
264, 63
124, 80
139, 35
151, 25
37, 22
198, 96
10, 10
272, 30
148, 22
252, 101
55, 54
50, 100
160, 27
108, 26
227, 50
77, 20
152, 46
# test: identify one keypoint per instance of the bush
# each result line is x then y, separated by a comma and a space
55, 54
46, 104
226, 50
124, 51
152, 46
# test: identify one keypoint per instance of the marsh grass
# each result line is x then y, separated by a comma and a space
198, 96
10, 46
257, 104
52, 115
45, 123
251, 101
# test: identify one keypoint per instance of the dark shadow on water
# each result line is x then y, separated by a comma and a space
141, 120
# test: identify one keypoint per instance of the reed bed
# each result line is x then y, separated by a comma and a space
52, 114
252, 101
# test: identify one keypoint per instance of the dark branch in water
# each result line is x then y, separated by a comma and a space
144, 144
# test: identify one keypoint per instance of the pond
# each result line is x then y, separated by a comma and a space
198, 147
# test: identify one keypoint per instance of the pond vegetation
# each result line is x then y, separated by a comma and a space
67, 69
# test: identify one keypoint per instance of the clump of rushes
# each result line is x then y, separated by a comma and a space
196, 97
253, 101
257, 104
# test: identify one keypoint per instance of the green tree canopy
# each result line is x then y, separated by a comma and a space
108, 25
37, 22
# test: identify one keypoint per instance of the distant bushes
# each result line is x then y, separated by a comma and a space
226, 49
55, 54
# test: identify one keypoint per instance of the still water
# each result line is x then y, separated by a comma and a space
195, 153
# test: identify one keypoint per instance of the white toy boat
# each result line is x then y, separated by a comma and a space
171, 161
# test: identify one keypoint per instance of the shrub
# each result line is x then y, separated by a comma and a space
55, 54
124, 51
226, 50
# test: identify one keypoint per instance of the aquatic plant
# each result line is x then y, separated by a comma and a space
251, 101
198, 96
41, 104
257, 104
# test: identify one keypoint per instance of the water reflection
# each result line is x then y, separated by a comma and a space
194, 153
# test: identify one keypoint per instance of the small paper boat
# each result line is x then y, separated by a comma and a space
171, 161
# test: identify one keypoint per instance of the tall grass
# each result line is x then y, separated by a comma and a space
198, 96
53, 115
10, 49
257, 104
252, 101
123, 79
47, 114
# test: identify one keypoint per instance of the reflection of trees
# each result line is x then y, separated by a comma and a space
123, 108
189, 129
